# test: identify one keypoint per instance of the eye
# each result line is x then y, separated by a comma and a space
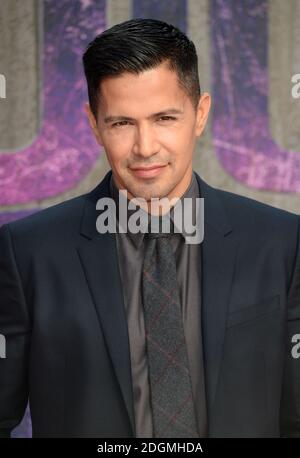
120, 123
167, 118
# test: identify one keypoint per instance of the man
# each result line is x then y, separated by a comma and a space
140, 335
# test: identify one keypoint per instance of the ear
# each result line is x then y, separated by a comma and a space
202, 112
93, 123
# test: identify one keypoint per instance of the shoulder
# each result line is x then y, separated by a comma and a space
56, 223
263, 228
245, 212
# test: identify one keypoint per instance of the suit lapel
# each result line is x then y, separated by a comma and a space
98, 255
218, 257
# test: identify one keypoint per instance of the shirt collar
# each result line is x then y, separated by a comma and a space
192, 191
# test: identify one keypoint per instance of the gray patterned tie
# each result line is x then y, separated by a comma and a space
170, 383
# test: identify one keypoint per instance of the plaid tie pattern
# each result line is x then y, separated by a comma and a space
170, 382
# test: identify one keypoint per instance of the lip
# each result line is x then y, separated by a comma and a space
148, 172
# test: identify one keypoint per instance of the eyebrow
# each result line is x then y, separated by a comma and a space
109, 119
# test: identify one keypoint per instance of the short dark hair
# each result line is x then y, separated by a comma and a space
137, 45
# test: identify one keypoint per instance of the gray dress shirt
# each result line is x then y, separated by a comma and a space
130, 248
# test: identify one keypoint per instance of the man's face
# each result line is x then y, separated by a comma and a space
139, 129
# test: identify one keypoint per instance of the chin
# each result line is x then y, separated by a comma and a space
156, 189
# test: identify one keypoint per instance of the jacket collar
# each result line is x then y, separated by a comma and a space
214, 212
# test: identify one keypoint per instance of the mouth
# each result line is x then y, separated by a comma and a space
148, 172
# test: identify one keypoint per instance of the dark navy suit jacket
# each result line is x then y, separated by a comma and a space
67, 346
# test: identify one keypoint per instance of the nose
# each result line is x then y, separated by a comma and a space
145, 143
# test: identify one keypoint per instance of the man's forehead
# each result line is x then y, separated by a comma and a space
118, 99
